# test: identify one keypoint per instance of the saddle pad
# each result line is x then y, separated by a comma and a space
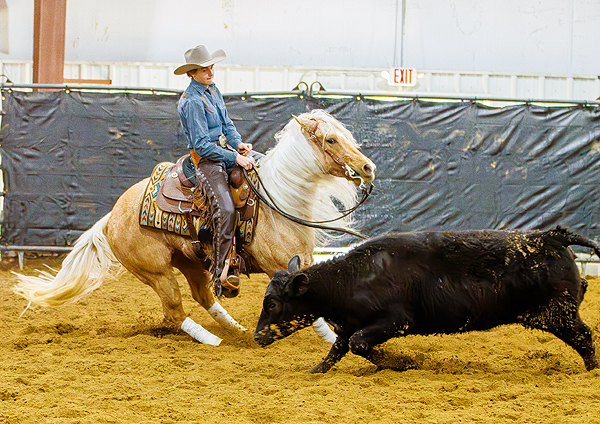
152, 216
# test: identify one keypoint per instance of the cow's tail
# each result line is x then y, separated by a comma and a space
84, 269
569, 238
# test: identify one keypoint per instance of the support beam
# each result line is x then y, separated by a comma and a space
49, 18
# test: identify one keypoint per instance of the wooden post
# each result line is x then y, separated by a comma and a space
49, 17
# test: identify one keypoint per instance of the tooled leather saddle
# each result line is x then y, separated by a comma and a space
173, 203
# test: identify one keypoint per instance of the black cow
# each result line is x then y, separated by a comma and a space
434, 283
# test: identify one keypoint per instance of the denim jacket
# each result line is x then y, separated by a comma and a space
204, 118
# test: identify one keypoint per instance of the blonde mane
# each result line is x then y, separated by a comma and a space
295, 178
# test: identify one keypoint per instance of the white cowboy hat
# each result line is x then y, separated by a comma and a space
198, 57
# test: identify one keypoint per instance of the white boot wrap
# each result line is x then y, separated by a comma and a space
199, 333
323, 331
222, 317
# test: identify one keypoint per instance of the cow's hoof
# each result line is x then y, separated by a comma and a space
591, 363
319, 369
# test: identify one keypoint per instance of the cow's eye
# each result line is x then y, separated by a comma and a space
271, 305
331, 140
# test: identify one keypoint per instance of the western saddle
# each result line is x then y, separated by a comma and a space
178, 194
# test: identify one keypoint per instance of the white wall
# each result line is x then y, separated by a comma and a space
523, 36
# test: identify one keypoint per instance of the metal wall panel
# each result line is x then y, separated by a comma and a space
240, 79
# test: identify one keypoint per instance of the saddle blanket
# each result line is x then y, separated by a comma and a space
151, 215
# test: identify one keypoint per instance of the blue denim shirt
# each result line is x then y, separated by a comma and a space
204, 118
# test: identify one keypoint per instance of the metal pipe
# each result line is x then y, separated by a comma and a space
414, 96
36, 248
5, 86
319, 251
22, 249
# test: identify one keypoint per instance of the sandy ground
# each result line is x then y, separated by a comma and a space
109, 358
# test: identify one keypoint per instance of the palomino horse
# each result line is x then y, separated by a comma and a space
316, 160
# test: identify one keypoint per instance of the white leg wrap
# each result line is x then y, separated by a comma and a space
199, 333
323, 331
222, 317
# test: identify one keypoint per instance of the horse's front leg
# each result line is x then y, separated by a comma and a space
199, 281
223, 318
167, 288
323, 331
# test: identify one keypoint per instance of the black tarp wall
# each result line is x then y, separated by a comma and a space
68, 156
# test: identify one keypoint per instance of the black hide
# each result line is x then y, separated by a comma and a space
435, 282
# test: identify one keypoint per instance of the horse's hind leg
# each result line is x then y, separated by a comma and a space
147, 254
199, 280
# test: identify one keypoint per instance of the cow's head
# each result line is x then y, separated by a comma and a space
285, 310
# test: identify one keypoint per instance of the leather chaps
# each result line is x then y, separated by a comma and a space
215, 180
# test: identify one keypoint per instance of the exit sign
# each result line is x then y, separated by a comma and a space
403, 76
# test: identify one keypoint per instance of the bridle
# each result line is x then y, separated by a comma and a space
268, 200
313, 224
349, 172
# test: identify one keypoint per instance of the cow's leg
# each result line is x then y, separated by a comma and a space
580, 338
578, 335
365, 341
561, 318
337, 352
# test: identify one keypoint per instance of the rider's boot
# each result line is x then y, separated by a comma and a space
230, 275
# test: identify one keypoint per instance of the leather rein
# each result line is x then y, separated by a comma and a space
268, 200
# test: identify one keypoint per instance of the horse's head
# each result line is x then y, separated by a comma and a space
336, 146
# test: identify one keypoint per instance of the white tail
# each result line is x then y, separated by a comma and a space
84, 269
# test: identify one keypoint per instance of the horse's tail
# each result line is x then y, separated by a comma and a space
84, 269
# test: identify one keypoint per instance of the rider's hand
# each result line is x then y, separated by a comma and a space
245, 162
244, 148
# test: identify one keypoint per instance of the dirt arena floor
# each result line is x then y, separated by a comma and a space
109, 358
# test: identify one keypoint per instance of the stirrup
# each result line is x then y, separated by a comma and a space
231, 281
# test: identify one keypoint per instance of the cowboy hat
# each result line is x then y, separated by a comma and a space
198, 57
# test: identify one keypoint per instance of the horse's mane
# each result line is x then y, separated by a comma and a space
294, 177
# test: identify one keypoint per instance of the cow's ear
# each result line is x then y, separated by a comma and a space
299, 285
294, 264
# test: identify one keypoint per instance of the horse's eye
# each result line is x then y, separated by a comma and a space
331, 140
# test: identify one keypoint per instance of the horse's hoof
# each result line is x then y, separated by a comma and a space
230, 293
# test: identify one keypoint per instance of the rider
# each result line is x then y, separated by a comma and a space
216, 147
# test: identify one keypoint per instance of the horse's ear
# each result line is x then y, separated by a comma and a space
299, 285
298, 120
294, 264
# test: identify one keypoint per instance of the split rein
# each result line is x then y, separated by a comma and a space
268, 200
313, 224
